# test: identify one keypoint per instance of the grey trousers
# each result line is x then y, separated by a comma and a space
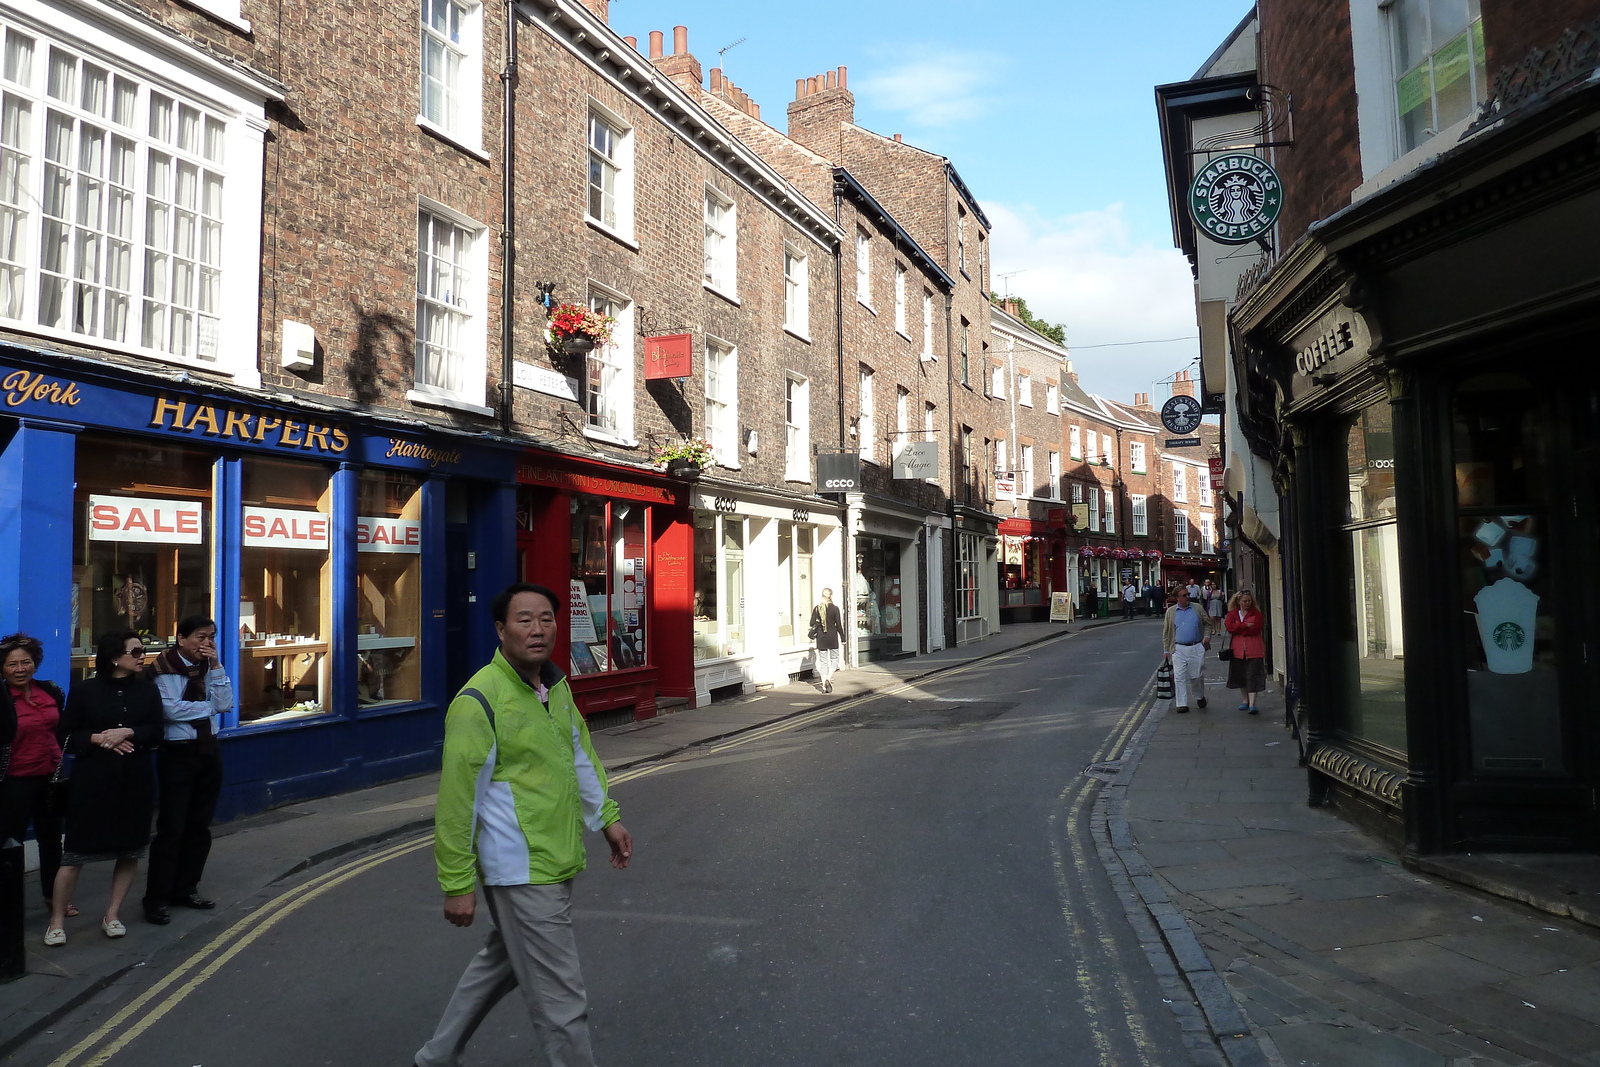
530, 947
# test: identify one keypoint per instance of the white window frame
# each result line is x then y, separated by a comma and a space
1110, 510
1055, 475
902, 414
961, 239
927, 325
997, 382
1052, 398
1025, 389
1180, 531
866, 423
217, 129
722, 400
1180, 483
1077, 492
797, 428
721, 274
864, 269
969, 557
460, 307
1000, 456
1141, 516
614, 361
1205, 533
1203, 475
1136, 460
1025, 480
1093, 493
900, 301
797, 292
459, 117
1074, 443
620, 162
1477, 78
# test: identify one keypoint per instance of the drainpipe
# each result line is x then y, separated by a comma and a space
847, 534
508, 243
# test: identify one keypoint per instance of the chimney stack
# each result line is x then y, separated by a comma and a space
1072, 373
1184, 385
601, 8
724, 89
897, 137
821, 105
681, 66
1010, 306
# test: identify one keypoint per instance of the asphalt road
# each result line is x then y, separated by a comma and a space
907, 881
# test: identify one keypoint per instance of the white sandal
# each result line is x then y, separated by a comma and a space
55, 937
113, 928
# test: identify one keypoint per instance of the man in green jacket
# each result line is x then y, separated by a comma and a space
519, 784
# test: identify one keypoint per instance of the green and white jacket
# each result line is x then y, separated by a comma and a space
515, 797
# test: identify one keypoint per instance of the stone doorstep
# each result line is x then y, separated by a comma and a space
1565, 886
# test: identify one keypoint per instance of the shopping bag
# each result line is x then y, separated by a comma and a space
1164, 685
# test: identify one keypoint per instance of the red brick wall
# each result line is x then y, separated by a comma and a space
1512, 27
1305, 49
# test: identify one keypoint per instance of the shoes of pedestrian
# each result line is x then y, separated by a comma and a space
827, 687
113, 928
1244, 707
56, 937
1253, 710
196, 901
157, 915
1183, 709
1202, 703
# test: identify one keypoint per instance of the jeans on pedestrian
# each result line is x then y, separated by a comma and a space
1188, 673
827, 662
530, 947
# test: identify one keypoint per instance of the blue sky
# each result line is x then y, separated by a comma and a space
1047, 111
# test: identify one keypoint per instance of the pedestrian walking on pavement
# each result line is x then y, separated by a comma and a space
1247, 669
1153, 597
1214, 605
30, 754
112, 725
1184, 643
1130, 595
520, 779
1092, 600
827, 633
194, 690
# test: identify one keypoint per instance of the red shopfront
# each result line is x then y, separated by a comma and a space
617, 542
1032, 566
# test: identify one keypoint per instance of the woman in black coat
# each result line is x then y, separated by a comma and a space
111, 725
827, 631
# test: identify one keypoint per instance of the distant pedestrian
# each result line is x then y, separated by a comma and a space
30, 754
194, 690
1194, 593
1184, 643
1091, 600
1155, 596
827, 633
1214, 606
1247, 670
1130, 596
112, 725
519, 780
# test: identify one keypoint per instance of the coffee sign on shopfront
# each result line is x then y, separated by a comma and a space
1332, 345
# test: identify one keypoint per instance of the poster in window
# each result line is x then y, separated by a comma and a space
583, 660
579, 619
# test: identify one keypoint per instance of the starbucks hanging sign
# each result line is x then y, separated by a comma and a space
1235, 198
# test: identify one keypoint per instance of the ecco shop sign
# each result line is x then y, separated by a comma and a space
1235, 198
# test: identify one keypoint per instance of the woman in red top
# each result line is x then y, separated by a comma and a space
1248, 668
34, 754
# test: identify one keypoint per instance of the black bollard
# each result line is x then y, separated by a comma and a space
13, 870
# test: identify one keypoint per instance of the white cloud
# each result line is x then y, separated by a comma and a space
933, 88
1084, 270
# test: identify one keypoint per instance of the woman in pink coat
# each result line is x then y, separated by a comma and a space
1248, 668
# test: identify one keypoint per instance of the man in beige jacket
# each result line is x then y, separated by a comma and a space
1184, 641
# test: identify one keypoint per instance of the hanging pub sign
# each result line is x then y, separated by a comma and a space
838, 472
1181, 415
669, 356
1235, 198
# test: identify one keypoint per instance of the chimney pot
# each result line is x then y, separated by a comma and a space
680, 40
832, 77
799, 88
633, 43
716, 78
811, 86
842, 83
656, 40
897, 137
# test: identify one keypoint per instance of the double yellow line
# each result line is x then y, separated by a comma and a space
170, 991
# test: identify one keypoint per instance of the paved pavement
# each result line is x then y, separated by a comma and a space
1304, 940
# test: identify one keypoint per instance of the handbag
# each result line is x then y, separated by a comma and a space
58, 790
1164, 683
1225, 653
816, 626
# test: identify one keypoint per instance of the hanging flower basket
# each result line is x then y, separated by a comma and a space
686, 459
576, 330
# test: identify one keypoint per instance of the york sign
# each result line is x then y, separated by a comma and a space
1235, 198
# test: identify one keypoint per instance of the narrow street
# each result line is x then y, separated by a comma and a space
903, 879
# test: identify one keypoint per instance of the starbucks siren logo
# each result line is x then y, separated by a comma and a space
1509, 636
1235, 198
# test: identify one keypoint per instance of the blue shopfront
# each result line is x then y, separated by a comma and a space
348, 562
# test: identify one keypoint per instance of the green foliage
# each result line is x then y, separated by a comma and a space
1055, 331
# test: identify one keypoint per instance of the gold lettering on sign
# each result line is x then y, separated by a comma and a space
242, 424
411, 450
21, 387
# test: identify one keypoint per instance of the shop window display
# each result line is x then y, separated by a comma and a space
388, 588
608, 576
1508, 632
1022, 571
719, 543
877, 587
1370, 636
284, 607
141, 542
